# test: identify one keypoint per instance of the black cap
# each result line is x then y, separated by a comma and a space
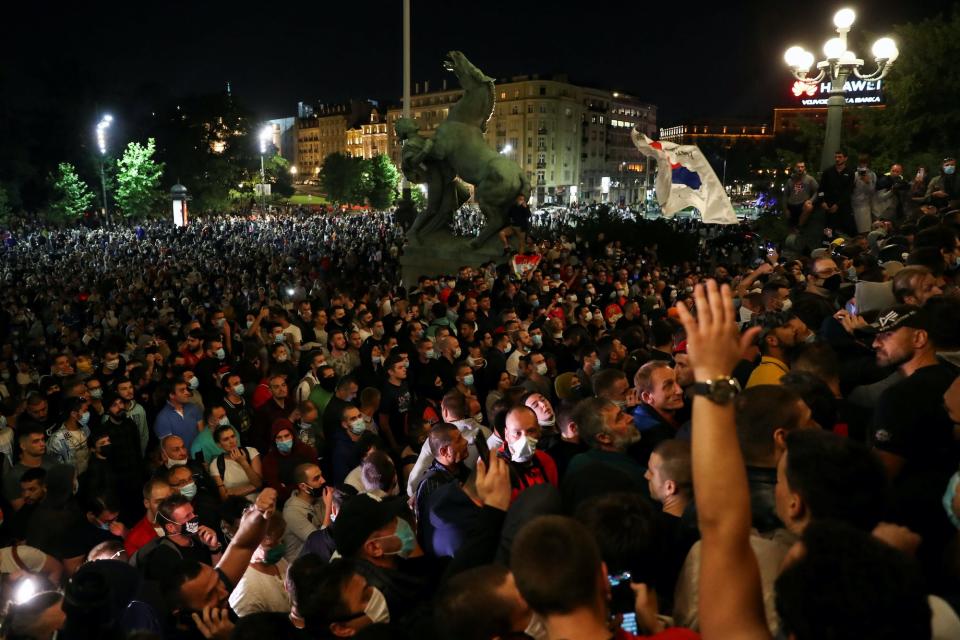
359, 517
895, 317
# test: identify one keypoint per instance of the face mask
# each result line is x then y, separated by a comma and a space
587, 299
507, 347
275, 554
249, 323
377, 334
221, 322
376, 608
787, 304
278, 339
456, 353
328, 384
588, 316
221, 354
537, 340
194, 382
549, 422
285, 446
430, 354
282, 357
408, 540
189, 490
376, 359
948, 499
85, 418
224, 421
468, 379
536, 302
832, 283
105, 450
358, 426
535, 628
523, 449
542, 369
239, 389
103, 525
949, 169
112, 364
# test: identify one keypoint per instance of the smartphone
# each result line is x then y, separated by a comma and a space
622, 597
483, 451
629, 623
851, 307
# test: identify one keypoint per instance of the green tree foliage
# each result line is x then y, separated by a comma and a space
6, 206
138, 180
341, 178
384, 179
277, 169
71, 196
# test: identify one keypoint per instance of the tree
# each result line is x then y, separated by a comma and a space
138, 180
342, 178
277, 169
71, 196
384, 178
6, 207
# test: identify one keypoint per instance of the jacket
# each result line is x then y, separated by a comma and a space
278, 467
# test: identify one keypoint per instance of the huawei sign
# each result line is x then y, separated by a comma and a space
800, 88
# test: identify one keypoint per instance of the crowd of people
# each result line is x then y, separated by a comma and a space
251, 426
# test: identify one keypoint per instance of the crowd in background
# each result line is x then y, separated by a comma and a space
251, 426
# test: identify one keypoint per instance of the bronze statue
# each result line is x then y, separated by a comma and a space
458, 149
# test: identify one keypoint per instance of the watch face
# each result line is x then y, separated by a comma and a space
723, 392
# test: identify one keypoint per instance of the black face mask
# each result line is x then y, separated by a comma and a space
315, 493
832, 284
328, 384
105, 450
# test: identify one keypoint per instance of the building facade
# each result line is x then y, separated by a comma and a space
572, 142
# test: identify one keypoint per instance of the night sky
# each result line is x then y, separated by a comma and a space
722, 60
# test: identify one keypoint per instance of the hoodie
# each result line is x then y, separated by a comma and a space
278, 467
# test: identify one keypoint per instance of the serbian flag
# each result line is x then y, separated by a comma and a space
690, 182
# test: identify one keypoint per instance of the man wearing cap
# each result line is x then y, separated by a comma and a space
378, 537
912, 434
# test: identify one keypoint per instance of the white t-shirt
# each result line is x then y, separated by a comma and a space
33, 559
233, 473
258, 592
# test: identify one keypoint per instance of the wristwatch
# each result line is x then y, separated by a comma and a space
722, 390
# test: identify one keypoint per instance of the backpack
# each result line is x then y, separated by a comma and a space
139, 559
222, 461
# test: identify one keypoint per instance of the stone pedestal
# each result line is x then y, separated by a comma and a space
440, 253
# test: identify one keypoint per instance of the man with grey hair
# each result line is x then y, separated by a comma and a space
608, 431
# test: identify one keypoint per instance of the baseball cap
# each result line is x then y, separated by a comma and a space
359, 517
896, 317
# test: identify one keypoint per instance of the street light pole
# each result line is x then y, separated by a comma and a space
102, 145
840, 64
265, 134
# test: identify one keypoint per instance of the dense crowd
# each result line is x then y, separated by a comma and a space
251, 426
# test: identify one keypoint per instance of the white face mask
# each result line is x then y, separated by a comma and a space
542, 369
787, 304
535, 628
376, 608
523, 449
171, 463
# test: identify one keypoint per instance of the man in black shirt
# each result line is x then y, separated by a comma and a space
184, 538
912, 433
836, 187
395, 402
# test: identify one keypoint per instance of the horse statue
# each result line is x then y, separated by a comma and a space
458, 149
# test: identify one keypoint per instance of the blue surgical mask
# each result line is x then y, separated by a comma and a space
537, 340
949, 169
408, 539
85, 418
189, 490
239, 389
221, 354
285, 446
194, 382
468, 379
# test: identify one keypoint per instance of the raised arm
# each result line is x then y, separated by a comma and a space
731, 598
253, 526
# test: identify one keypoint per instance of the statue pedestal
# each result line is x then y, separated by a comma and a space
439, 254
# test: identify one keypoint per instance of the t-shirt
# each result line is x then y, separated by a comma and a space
395, 402
910, 422
257, 592
233, 473
11, 477
31, 558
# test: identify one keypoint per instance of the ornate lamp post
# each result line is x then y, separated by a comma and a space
840, 64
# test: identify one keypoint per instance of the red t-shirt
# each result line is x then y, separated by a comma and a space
141, 533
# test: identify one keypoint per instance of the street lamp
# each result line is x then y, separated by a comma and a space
266, 134
839, 64
102, 145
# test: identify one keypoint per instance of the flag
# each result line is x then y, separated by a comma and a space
690, 182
